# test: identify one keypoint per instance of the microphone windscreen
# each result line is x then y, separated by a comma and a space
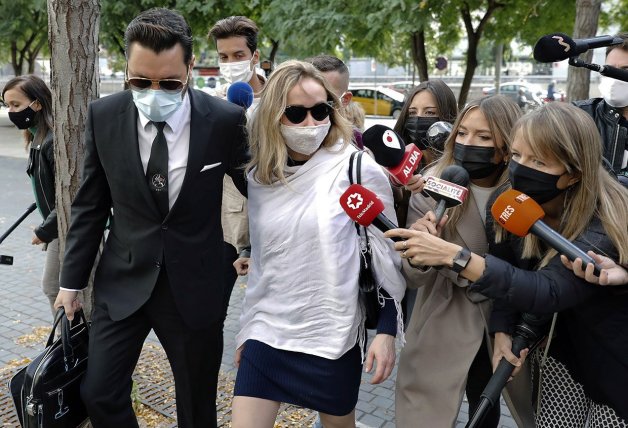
240, 93
437, 134
516, 212
456, 174
554, 47
387, 146
362, 205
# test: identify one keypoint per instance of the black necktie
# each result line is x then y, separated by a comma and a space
157, 169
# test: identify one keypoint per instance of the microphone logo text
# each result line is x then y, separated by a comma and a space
411, 165
505, 215
561, 42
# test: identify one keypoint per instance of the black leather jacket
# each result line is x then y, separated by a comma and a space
614, 136
41, 169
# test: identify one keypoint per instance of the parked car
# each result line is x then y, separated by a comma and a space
378, 101
403, 87
534, 93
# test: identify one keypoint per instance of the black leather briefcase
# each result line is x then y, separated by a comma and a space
46, 393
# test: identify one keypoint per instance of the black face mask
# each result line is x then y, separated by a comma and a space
478, 161
23, 119
416, 128
538, 185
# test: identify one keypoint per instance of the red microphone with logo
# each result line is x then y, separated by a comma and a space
519, 214
389, 151
449, 190
365, 208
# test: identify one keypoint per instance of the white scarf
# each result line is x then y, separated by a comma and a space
302, 291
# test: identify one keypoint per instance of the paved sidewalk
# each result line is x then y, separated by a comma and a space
24, 313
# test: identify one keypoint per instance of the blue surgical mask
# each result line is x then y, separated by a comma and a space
156, 104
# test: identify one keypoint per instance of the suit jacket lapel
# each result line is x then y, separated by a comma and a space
471, 229
200, 131
130, 150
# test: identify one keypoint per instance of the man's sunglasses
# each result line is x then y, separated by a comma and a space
168, 85
297, 114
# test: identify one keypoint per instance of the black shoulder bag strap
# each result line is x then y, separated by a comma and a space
367, 280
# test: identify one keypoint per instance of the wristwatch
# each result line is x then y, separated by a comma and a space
461, 260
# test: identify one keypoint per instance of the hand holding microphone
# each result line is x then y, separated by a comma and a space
611, 273
519, 214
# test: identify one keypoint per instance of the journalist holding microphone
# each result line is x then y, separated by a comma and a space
556, 161
446, 311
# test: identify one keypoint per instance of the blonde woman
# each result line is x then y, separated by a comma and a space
448, 351
302, 330
557, 161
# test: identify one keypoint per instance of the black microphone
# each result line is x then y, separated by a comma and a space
604, 70
559, 46
449, 190
389, 151
530, 331
240, 93
437, 134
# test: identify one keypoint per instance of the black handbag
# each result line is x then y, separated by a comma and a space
46, 392
368, 285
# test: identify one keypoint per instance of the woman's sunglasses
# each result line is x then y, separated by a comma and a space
297, 114
168, 85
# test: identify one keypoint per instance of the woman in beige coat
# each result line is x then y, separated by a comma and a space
448, 350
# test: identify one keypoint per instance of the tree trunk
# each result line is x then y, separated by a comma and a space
578, 79
419, 55
73, 36
273, 51
473, 35
16, 60
472, 63
499, 57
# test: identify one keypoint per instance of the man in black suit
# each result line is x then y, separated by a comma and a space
156, 155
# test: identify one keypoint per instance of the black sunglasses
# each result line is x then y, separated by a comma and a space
297, 114
168, 85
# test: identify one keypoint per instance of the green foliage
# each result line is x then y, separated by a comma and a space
614, 15
25, 33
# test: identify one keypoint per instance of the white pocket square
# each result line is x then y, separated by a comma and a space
214, 165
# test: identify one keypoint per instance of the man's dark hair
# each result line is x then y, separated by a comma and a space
326, 63
159, 29
236, 26
623, 46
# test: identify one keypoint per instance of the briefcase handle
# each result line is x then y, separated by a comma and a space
68, 351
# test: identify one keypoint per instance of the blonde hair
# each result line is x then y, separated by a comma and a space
355, 114
501, 113
569, 135
269, 153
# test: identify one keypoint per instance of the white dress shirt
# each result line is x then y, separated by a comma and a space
177, 133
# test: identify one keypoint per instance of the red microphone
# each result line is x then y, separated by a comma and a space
389, 151
449, 190
365, 208
519, 214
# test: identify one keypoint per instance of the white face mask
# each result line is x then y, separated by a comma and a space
157, 105
614, 92
237, 71
305, 139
